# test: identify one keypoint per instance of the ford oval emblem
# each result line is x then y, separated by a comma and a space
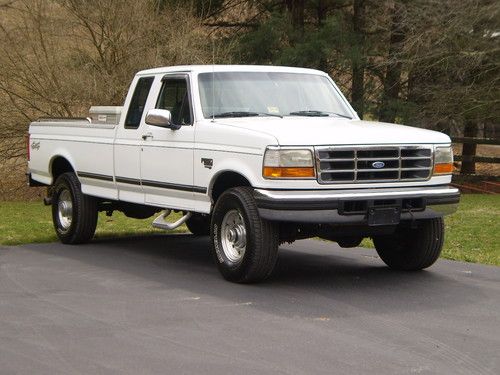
378, 164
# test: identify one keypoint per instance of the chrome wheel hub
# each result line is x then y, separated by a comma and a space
233, 236
65, 209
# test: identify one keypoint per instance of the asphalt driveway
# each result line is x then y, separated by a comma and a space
157, 304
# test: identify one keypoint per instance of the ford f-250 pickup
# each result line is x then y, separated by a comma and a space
253, 156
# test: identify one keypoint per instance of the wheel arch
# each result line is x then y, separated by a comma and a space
226, 179
58, 165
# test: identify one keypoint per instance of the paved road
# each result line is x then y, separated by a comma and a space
157, 305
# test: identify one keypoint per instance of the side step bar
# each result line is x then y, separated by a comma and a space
161, 223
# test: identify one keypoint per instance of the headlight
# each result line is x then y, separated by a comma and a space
288, 163
443, 160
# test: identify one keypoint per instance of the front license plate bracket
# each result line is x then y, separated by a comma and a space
384, 215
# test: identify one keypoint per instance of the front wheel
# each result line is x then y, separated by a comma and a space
244, 246
412, 248
74, 214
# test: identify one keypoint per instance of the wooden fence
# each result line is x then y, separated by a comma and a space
469, 182
477, 141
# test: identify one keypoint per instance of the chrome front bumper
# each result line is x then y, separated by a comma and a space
335, 206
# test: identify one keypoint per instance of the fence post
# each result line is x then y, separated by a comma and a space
469, 149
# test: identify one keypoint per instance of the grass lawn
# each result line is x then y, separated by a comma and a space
29, 222
472, 234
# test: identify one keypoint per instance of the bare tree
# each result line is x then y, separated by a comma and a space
58, 57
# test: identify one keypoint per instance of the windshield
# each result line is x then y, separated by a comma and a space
240, 94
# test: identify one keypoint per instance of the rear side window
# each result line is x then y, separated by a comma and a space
136, 107
174, 96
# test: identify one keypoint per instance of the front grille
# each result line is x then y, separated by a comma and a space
373, 164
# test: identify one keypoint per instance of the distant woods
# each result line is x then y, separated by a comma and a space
432, 63
428, 63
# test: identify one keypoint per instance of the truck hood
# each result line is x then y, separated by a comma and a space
316, 131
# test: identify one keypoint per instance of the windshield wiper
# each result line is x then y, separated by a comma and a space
244, 114
311, 113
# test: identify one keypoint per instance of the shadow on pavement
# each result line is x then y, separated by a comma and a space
310, 275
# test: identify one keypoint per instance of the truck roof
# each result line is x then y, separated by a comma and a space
228, 68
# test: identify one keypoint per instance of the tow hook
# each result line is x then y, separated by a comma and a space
413, 224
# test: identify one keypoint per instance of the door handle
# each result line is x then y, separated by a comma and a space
147, 136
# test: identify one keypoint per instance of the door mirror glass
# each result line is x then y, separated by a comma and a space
159, 117
174, 96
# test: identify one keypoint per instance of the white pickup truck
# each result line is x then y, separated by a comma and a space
253, 156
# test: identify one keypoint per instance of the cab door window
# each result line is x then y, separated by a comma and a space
136, 107
174, 96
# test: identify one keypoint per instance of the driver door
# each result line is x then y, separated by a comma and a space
167, 154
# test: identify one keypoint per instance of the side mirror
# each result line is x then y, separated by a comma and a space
160, 117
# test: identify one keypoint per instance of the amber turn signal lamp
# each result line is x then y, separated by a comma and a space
291, 172
443, 168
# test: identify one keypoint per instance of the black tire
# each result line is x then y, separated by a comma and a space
262, 238
77, 225
412, 249
199, 224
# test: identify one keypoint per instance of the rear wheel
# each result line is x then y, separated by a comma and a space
412, 249
244, 246
74, 214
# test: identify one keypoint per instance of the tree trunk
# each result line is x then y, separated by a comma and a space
358, 63
392, 81
321, 9
469, 149
159, 6
296, 9
414, 77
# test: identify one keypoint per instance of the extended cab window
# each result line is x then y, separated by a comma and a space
136, 107
174, 96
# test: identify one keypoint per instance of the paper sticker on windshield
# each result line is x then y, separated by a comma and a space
273, 110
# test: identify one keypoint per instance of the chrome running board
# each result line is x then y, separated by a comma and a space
161, 223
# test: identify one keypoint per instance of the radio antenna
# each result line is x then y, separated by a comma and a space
213, 80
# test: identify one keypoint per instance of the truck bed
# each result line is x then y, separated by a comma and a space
71, 138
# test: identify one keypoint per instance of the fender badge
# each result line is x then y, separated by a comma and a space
207, 163
35, 145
